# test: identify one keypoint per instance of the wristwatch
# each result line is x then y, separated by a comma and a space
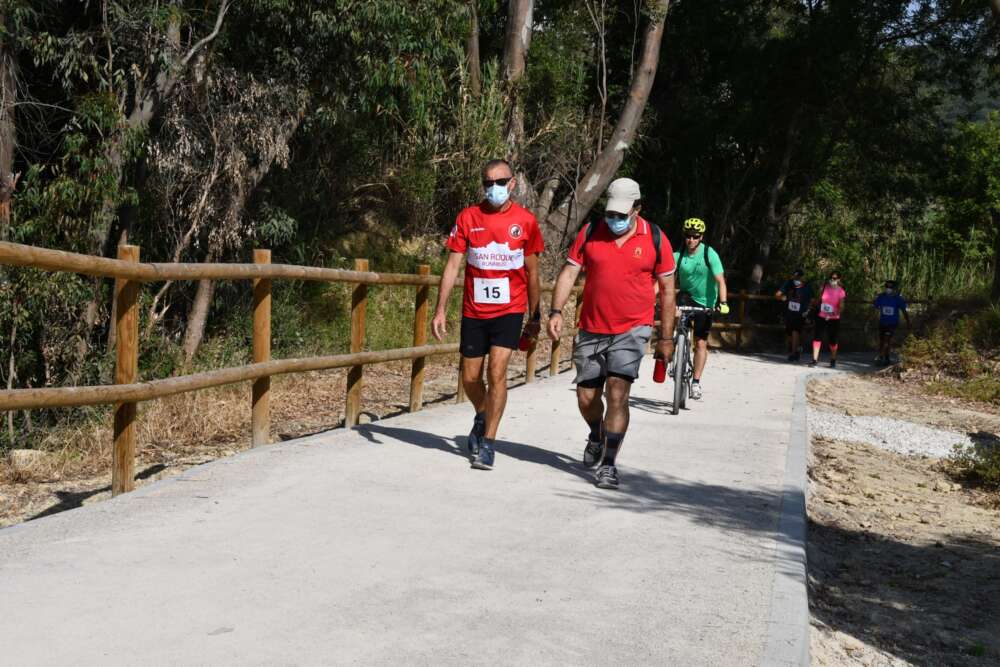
554, 311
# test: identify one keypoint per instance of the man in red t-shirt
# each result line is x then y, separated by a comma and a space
624, 265
501, 242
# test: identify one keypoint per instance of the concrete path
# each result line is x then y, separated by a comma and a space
381, 545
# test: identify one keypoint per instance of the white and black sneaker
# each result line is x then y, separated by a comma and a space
606, 477
695, 391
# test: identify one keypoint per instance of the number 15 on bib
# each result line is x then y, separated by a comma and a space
492, 290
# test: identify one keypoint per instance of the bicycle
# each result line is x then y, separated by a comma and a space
682, 367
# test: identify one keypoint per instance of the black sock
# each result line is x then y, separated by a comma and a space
612, 443
595, 429
696, 381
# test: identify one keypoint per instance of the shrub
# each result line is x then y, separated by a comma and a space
978, 463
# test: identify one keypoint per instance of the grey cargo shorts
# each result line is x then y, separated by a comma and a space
599, 355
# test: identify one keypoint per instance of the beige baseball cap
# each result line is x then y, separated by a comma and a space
622, 194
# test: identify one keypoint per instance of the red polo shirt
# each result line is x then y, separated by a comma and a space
620, 292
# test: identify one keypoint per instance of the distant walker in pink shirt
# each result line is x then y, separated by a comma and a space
831, 302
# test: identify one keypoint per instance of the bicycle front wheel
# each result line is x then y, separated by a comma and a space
680, 363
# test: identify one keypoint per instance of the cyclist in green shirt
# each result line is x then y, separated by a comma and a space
701, 276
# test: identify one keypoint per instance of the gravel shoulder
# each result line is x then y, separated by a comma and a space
903, 561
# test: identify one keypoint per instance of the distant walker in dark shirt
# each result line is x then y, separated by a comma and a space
796, 295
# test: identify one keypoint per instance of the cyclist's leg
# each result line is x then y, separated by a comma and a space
702, 327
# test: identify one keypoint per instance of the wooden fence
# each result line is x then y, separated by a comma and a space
128, 389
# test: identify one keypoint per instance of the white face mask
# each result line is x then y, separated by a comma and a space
834, 282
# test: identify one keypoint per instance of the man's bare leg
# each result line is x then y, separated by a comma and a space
616, 393
496, 396
472, 381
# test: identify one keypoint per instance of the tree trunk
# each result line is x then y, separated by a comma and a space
8, 132
242, 191
995, 292
772, 218
472, 50
198, 317
995, 6
567, 216
517, 41
144, 109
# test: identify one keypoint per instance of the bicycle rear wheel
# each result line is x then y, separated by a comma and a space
680, 364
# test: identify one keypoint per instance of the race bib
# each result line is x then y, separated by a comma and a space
491, 290
888, 311
826, 308
794, 306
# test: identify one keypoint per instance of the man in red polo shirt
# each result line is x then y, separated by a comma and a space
501, 242
623, 265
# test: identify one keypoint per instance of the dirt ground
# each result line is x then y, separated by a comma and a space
179, 432
904, 563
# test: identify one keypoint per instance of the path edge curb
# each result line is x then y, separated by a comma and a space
787, 641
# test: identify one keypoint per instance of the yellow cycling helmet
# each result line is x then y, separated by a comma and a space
694, 225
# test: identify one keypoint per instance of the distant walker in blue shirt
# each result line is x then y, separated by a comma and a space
890, 304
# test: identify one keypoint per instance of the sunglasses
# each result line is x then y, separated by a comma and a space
692, 236
611, 215
488, 182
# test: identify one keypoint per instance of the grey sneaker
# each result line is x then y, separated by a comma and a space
483, 460
593, 452
606, 477
695, 391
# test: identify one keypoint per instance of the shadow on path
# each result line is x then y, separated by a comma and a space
69, 500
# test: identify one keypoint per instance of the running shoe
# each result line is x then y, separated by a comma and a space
593, 452
475, 436
695, 391
606, 477
483, 459
812, 364
833, 363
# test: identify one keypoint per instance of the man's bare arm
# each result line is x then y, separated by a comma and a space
668, 306
439, 326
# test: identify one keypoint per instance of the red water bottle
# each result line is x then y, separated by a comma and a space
660, 370
525, 342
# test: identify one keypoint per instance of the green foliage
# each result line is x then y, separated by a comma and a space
959, 353
978, 463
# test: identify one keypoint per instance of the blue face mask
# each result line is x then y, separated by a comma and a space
497, 195
618, 226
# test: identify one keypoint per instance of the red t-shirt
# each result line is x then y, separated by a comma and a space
495, 244
620, 292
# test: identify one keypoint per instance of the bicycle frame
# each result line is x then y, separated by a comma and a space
682, 368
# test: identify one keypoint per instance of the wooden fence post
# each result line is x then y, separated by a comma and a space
741, 318
359, 306
419, 338
126, 372
261, 392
